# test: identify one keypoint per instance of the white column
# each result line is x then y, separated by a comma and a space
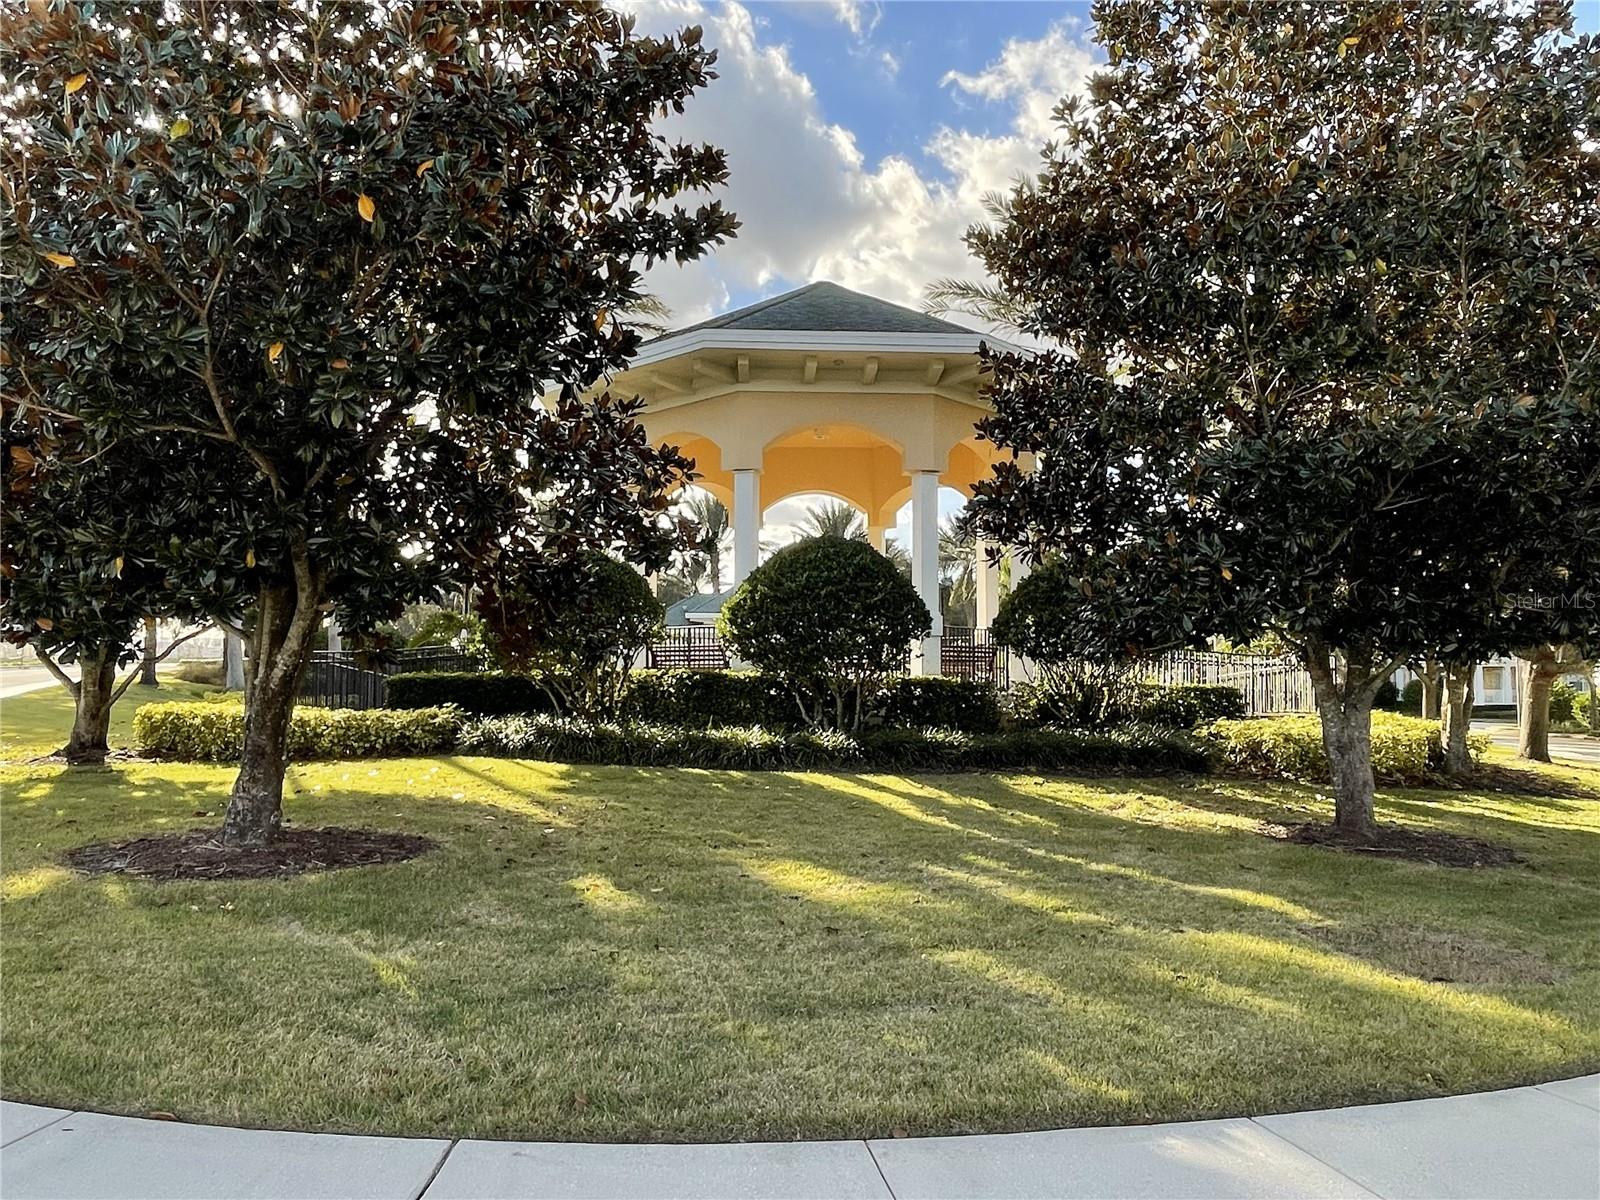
987, 572
925, 563
746, 522
877, 535
334, 641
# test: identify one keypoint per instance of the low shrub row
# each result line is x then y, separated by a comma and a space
482, 694
1171, 706
934, 702
751, 748
703, 699
213, 732
710, 699
1404, 749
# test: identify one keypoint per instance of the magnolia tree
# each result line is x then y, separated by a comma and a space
90, 551
1300, 266
345, 251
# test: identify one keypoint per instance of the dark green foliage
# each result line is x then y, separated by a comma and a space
1183, 705
1563, 705
557, 739
832, 618
1387, 698
1404, 749
924, 702
1411, 698
343, 252
702, 699
481, 694
1170, 706
1321, 287
1084, 657
583, 653
211, 732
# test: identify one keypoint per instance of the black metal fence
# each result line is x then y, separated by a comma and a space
348, 679
966, 652
694, 646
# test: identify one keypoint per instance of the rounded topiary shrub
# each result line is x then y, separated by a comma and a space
830, 617
591, 631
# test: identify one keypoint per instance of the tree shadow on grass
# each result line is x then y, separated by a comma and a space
698, 954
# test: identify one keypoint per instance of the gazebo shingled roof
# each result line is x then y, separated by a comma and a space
825, 306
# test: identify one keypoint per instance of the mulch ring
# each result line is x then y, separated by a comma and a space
1496, 777
200, 854
1412, 845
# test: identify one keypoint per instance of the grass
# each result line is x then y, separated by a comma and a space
600, 953
38, 722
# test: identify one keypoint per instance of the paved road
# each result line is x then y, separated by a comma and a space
19, 681
1525, 1142
1580, 749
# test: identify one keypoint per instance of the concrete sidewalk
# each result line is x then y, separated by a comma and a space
1538, 1142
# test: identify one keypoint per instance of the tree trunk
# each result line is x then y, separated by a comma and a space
1594, 702
232, 662
1431, 690
147, 667
91, 719
1457, 720
285, 629
1533, 734
1344, 702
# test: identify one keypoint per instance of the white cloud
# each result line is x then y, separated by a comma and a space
1034, 75
860, 19
811, 207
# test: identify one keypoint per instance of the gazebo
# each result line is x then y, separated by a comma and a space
825, 390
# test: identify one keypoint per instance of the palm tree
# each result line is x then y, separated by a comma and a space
975, 298
833, 519
710, 543
958, 578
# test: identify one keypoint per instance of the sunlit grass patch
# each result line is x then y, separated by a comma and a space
614, 954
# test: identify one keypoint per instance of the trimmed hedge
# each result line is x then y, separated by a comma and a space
755, 749
213, 732
1184, 705
482, 694
1404, 749
1170, 706
934, 702
704, 699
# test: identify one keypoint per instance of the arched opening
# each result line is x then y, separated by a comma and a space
850, 462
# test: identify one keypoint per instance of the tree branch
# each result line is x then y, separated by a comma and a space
175, 643
66, 680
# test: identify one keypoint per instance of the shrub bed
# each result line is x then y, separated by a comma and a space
1171, 706
703, 699
1133, 748
1404, 749
934, 702
202, 732
483, 694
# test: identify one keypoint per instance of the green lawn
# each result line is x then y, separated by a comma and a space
621, 954
39, 722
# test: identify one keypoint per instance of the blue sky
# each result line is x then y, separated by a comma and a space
861, 137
